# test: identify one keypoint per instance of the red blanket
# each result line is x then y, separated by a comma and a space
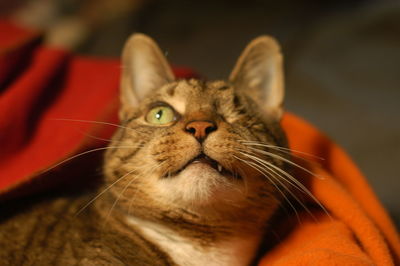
41, 88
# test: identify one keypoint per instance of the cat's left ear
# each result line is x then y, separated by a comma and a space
259, 71
144, 69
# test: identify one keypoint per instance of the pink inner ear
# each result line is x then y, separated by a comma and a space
145, 69
259, 70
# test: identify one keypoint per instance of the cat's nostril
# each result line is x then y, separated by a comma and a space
210, 129
200, 129
191, 130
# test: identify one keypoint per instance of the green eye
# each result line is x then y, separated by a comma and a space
160, 115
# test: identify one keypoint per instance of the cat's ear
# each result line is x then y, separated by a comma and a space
144, 68
259, 71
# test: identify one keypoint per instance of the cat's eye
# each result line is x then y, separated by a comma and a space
161, 115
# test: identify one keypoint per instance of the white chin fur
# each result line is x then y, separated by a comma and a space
199, 184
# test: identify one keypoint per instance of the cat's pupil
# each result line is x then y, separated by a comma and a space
159, 114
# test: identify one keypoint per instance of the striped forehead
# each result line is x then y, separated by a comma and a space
191, 92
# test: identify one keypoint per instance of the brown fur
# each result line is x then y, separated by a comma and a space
147, 177
50, 233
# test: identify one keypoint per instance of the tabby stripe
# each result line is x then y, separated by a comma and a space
130, 119
171, 89
31, 237
131, 154
52, 226
225, 87
121, 135
66, 229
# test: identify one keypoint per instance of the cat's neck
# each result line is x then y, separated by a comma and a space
235, 249
192, 237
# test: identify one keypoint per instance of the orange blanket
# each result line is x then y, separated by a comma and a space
39, 86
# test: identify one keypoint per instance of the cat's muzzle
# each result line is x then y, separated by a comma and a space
204, 159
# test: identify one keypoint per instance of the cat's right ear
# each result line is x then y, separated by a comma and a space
259, 72
144, 69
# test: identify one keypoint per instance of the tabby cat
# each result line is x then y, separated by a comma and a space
191, 177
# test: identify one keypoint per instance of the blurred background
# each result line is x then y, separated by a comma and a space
342, 58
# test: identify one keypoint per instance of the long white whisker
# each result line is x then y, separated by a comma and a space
292, 153
94, 122
241, 173
287, 151
268, 165
104, 191
270, 173
83, 153
283, 159
277, 178
282, 149
98, 138
299, 185
261, 171
127, 185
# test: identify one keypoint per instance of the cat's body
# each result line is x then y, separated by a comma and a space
191, 177
50, 233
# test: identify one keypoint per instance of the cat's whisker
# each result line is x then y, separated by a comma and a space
261, 171
148, 172
235, 175
266, 173
98, 122
245, 182
273, 155
297, 183
84, 153
281, 149
98, 138
126, 186
93, 122
259, 143
104, 191
278, 177
286, 151
267, 165
289, 178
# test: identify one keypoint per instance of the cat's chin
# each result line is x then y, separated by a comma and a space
201, 184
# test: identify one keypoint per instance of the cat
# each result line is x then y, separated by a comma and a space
191, 177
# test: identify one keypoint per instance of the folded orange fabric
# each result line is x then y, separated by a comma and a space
41, 87
358, 231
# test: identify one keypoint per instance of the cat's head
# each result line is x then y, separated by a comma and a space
197, 146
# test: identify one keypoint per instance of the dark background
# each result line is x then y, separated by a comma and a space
342, 58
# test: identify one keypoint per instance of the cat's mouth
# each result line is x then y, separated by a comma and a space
204, 159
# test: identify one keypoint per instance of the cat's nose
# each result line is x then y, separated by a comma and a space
200, 129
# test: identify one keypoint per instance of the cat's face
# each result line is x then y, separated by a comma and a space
185, 145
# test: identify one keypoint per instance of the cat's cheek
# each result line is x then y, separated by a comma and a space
221, 147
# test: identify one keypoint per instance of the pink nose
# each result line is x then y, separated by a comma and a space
200, 129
